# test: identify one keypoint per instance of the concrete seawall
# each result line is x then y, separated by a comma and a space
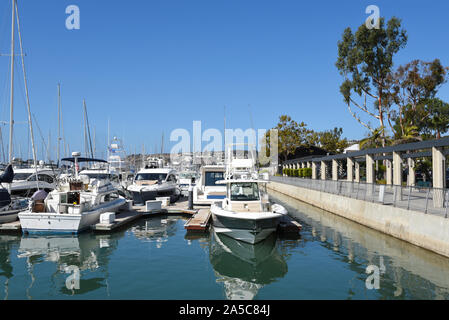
424, 230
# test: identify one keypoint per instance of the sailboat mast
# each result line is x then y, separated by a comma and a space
59, 123
30, 122
11, 115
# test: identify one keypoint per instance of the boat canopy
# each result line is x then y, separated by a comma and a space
80, 159
241, 181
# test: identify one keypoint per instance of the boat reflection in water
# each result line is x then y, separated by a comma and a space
7, 244
245, 268
155, 229
88, 254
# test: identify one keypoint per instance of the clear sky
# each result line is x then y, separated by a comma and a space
154, 66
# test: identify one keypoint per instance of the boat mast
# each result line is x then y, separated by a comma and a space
11, 115
30, 122
59, 124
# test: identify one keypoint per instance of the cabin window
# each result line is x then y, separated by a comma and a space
246, 191
151, 176
212, 177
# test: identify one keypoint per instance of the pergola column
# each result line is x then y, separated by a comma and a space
334, 170
439, 176
349, 169
357, 172
397, 175
323, 170
389, 172
411, 179
313, 170
308, 164
369, 168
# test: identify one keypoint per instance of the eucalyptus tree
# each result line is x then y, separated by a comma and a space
365, 60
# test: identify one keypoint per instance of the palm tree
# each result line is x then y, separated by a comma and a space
375, 139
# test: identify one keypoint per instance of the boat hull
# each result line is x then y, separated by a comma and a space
250, 230
58, 223
9, 216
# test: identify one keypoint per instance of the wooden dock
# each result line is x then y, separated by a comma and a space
200, 221
11, 227
121, 219
125, 217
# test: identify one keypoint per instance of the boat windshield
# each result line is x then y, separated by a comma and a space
151, 176
99, 176
212, 177
248, 191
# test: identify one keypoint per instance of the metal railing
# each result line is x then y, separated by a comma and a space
422, 199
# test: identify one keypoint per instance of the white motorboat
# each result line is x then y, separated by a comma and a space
245, 214
75, 205
25, 184
151, 183
206, 190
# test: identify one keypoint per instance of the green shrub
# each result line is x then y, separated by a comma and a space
307, 172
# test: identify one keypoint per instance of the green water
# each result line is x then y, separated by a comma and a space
154, 259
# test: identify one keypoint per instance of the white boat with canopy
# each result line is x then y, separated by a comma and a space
75, 204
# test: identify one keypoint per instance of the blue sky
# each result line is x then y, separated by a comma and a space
154, 66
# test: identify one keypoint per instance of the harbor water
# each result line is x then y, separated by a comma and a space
155, 259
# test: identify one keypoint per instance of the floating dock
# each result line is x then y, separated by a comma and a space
12, 227
200, 221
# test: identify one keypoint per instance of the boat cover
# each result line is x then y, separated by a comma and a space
8, 175
5, 198
39, 195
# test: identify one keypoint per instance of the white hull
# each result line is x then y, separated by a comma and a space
248, 236
33, 222
8, 216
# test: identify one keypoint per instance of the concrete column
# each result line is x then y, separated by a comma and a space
370, 168
411, 179
313, 170
323, 170
439, 176
309, 165
397, 175
349, 169
357, 172
334, 170
303, 165
389, 172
